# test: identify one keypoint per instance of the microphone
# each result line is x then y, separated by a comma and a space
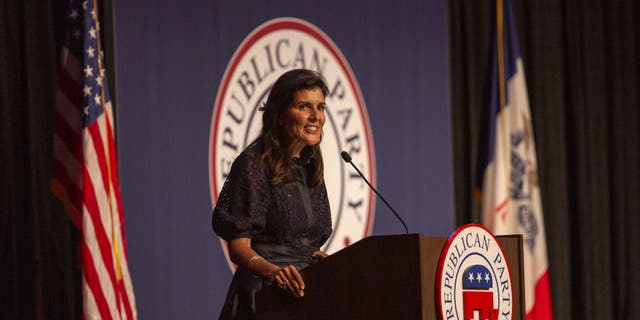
347, 158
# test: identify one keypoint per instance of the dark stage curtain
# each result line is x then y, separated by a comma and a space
39, 266
582, 68
39, 270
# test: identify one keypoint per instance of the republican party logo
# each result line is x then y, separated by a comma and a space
267, 52
473, 277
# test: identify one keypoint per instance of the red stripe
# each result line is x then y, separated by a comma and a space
93, 282
100, 232
542, 308
73, 192
70, 88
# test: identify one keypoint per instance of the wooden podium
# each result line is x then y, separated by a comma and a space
378, 277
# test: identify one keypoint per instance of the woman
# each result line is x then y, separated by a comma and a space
273, 209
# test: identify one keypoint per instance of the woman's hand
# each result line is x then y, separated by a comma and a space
289, 279
320, 254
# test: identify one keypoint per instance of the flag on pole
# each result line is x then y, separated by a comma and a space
511, 201
85, 170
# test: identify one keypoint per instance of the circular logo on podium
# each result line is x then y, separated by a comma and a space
266, 53
473, 280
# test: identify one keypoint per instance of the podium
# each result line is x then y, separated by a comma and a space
378, 277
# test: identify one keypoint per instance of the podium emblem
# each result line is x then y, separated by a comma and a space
271, 49
473, 280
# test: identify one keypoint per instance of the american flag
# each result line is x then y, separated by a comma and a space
510, 192
85, 170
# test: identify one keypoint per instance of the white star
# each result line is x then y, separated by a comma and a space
84, 5
97, 99
478, 276
486, 277
92, 32
470, 276
90, 51
87, 90
74, 14
94, 14
99, 80
86, 110
88, 71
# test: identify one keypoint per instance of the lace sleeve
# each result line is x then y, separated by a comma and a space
243, 202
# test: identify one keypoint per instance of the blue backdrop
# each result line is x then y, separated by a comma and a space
170, 58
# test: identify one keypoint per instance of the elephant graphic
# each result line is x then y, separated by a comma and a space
477, 293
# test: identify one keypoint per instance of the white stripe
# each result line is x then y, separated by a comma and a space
534, 262
101, 270
494, 190
90, 308
68, 161
108, 110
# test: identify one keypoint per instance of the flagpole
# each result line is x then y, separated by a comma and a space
501, 88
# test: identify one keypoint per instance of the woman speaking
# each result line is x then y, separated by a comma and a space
273, 209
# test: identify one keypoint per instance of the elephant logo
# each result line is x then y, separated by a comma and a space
477, 295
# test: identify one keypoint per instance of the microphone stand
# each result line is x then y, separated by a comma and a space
347, 158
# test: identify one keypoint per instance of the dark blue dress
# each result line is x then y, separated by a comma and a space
286, 223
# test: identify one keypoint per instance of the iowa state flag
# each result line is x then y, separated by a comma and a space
510, 191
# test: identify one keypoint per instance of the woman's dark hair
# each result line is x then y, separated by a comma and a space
276, 157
